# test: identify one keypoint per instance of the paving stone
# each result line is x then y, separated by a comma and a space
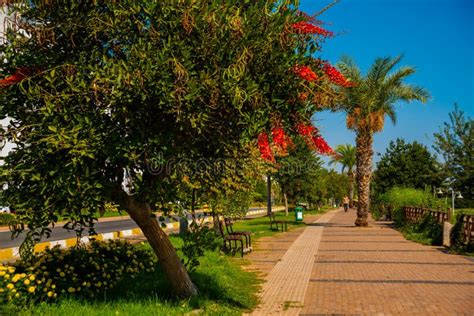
285, 286
375, 271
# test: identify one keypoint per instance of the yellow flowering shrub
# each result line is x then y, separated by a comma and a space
80, 271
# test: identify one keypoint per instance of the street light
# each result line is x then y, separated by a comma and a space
454, 195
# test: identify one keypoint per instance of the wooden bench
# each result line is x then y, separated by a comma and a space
227, 246
275, 223
230, 231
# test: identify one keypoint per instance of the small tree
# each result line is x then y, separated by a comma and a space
104, 97
455, 141
298, 173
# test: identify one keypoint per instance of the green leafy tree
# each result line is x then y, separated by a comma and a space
345, 155
105, 96
406, 165
367, 102
298, 173
455, 142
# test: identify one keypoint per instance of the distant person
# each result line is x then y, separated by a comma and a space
345, 202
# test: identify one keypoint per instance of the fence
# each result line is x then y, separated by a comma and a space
414, 214
468, 229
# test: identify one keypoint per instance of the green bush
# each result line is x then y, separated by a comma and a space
397, 198
457, 236
79, 272
5, 218
198, 239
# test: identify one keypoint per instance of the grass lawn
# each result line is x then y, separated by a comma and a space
224, 287
260, 226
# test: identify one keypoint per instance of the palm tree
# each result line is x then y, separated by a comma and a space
366, 103
346, 156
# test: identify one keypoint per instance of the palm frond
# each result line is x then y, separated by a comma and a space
397, 76
380, 69
409, 92
377, 69
349, 69
392, 115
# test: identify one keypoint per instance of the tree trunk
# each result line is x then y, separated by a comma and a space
351, 189
286, 203
364, 154
164, 250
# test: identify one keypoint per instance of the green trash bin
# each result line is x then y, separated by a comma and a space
299, 213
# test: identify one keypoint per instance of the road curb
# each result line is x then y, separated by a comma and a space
169, 225
12, 253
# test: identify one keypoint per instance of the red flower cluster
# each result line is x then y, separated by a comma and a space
308, 28
264, 147
313, 139
280, 138
336, 77
306, 130
321, 145
305, 73
18, 76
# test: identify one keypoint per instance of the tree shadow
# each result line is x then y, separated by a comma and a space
155, 286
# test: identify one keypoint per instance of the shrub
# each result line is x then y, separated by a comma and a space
397, 198
80, 271
196, 241
431, 229
5, 218
457, 236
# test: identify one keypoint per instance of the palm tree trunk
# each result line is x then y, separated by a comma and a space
351, 189
164, 250
364, 154
286, 203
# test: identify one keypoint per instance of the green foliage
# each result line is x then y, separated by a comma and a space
457, 236
260, 192
374, 95
428, 229
198, 239
397, 198
118, 90
406, 165
80, 272
5, 218
225, 289
345, 155
299, 173
455, 142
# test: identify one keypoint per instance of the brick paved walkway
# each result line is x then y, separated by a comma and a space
369, 271
285, 286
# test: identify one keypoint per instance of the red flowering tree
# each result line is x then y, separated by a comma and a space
118, 89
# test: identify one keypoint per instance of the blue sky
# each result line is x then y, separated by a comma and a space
435, 36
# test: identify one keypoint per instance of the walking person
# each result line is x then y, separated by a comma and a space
345, 202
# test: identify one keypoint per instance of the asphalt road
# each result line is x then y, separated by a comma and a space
59, 233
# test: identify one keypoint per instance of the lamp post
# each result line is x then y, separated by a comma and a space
269, 195
454, 195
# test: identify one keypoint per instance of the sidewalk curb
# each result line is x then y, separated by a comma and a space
167, 225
